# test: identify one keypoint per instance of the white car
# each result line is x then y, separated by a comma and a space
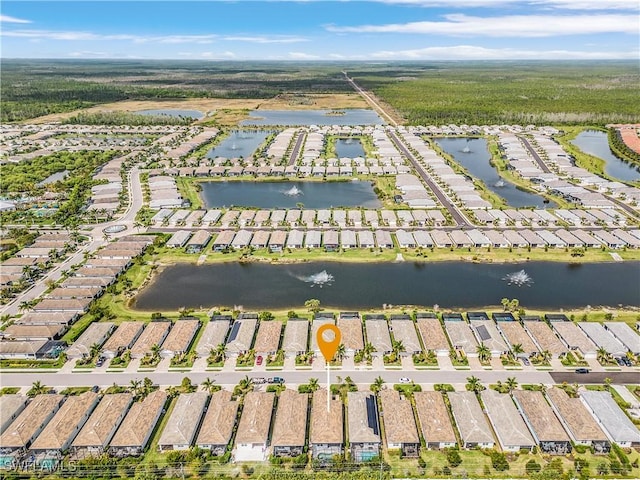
405, 380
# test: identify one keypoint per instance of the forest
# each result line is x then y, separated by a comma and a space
34, 88
509, 93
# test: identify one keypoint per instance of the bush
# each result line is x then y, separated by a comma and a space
499, 461
532, 467
443, 387
446, 471
453, 457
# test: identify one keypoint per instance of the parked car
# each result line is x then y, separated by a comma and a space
259, 360
525, 361
582, 370
259, 380
405, 380
99, 362
276, 380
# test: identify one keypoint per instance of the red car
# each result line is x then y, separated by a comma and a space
259, 360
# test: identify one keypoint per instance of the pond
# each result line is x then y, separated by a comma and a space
544, 285
349, 148
596, 143
239, 143
289, 194
173, 112
313, 117
473, 154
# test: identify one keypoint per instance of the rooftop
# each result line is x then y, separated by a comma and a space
140, 421
506, 420
364, 426
256, 418
181, 427
290, 424
65, 422
103, 421
217, 425
268, 337
433, 415
540, 416
397, 415
470, 419
30, 420
326, 426
579, 422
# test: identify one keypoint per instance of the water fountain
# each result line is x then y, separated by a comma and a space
499, 184
321, 278
293, 192
466, 150
519, 279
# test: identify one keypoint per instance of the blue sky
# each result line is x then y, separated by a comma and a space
322, 30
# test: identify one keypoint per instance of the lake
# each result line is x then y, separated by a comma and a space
473, 154
544, 285
596, 143
349, 148
239, 143
172, 112
313, 117
289, 194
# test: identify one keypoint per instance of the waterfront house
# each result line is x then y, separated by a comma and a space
179, 338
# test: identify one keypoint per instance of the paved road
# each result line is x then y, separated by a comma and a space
443, 198
296, 148
369, 99
534, 154
298, 377
596, 377
96, 233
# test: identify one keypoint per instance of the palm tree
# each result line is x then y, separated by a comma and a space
313, 384
483, 352
244, 385
505, 303
94, 350
511, 384
209, 385
134, 386
340, 352
607, 383
603, 355
368, 350
155, 350
37, 388
517, 349
545, 355
397, 346
377, 384
474, 384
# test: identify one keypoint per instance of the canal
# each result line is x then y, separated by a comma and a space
548, 285
596, 143
473, 154
289, 194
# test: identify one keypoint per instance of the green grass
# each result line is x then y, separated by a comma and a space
9, 390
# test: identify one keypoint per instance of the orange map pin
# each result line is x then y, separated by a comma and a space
328, 347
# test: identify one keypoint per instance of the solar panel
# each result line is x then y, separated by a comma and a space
372, 414
234, 331
483, 333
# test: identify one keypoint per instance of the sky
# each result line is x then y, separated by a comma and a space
322, 30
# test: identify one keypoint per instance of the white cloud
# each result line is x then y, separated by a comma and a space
9, 19
167, 39
472, 52
590, 4
507, 26
302, 56
559, 4
265, 39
